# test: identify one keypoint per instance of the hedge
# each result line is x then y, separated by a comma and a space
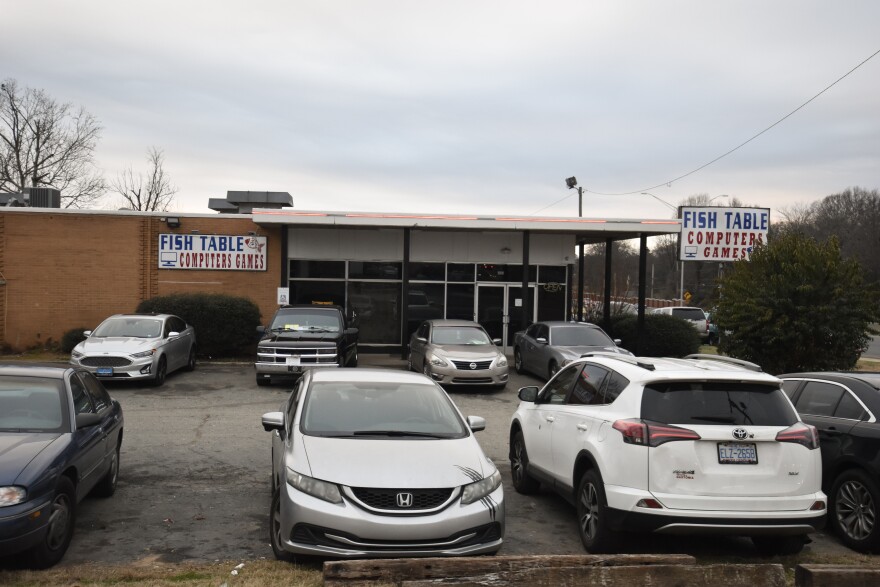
665, 336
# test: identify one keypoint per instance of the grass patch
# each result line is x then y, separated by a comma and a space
155, 574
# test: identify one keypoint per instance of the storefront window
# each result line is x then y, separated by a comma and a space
427, 272
504, 273
425, 303
378, 309
317, 269
552, 274
374, 270
317, 292
463, 272
460, 301
551, 301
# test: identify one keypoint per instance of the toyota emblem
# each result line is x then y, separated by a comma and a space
740, 433
473, 365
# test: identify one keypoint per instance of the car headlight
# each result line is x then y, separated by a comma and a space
143, 354
501, 362
437, 361
76, 354
314, 487
475, 491
12, 495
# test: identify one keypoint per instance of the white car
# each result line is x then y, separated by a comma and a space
379, 463
674, 446
692, 314
137, 346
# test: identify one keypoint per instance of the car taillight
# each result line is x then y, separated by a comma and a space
646, 433
800, 433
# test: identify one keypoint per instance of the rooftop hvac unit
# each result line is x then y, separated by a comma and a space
44, 197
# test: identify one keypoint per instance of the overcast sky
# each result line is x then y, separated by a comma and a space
468, 106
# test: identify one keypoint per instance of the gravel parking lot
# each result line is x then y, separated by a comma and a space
194, 481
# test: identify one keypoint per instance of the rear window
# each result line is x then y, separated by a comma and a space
707, 403
689, 313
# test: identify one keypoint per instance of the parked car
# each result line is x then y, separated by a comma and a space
844, 408
671, 446
545, 347
696, 316
137, 346
306, 336
457, 352
379, 463
60, 434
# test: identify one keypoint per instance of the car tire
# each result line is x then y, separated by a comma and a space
191, 361
409, 365
354, 361
519, 460
62, 519
779, 545
263, 381
592, 514
552, 369
275, 529
853, 505
107, 485
161, 372
517, 361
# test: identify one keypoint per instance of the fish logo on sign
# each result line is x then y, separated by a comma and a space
253, 243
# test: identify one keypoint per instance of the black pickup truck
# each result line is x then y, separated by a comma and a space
305, 337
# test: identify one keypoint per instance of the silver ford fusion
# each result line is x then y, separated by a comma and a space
379, 463
137, 346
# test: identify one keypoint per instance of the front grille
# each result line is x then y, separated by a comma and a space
316, 535
472, 380
466, 365
105, 362
307, 356
386, 499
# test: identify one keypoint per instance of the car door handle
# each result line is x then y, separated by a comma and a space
550, 419
583, 427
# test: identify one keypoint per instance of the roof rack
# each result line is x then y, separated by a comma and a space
722, 359
625, 358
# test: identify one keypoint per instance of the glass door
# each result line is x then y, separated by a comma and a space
499, 310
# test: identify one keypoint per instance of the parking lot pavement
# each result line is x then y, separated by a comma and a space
195, 466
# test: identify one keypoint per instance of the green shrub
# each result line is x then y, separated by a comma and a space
664, 336
71, 338
225, 325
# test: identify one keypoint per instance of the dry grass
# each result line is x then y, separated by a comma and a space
155, 574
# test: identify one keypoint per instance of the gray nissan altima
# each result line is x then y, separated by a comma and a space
379, 463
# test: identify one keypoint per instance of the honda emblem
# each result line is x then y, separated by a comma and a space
404, 500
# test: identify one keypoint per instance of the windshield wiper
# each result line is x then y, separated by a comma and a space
397, 433
719, 419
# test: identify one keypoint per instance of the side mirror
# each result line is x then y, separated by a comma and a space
541, 340
273, 421
476, 423
261, 329
618, 341
173, 334
422, 339
87, 420
496, 341
528, 394
86, 333
351, 331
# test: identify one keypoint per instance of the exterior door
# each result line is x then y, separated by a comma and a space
499, 310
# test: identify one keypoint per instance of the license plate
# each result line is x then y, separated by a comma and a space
293, 361
105, 371
735, 453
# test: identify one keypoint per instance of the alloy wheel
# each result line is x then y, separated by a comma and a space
589, 520
59, 521
855, 510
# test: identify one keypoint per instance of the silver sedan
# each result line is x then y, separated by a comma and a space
137, 346
457, 352
545, 347
379, 463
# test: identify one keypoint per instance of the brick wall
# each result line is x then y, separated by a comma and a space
66, 270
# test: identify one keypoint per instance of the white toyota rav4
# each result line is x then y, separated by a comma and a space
704, 444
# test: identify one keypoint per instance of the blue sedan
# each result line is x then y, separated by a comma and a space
60, 434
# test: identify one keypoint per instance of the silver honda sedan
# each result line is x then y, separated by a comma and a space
379, 463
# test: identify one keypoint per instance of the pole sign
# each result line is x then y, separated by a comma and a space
212, 251
722, 234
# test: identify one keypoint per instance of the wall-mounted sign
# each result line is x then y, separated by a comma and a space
212, 251
722, 234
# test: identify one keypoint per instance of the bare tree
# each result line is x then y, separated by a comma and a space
151, 192
44, 143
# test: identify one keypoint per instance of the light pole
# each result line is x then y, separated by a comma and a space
571, 182
680, 262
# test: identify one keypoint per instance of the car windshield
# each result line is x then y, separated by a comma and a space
707, 403
30, 404
129, 327
466, 335
380, 410
689, 313
578, 336
306, 320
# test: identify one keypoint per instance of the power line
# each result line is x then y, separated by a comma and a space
722, 156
